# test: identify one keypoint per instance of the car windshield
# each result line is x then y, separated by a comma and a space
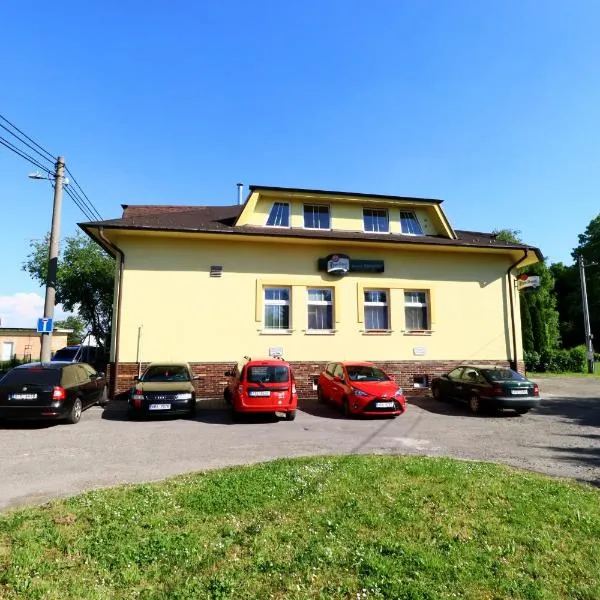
268, 374
39, 376
65, 354
366, 373
502, 375
166, 373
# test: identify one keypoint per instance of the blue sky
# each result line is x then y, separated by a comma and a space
492, 107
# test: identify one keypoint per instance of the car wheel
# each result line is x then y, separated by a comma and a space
227, 395
522, 411
436, 392
75, 413
290, 415
192, 411
236, 416
103, 401
133, 414
475, 404
321, 396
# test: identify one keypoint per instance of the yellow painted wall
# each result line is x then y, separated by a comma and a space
180, 313
345, 216
29, 343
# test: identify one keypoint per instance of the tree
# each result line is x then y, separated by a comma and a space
77, 325
539, 316
85, 281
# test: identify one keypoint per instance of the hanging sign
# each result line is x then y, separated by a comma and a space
528, 281
340, 264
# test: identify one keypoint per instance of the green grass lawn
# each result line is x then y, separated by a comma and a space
359, 527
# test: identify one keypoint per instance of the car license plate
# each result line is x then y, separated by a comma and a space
159, 407
384, 404
259, 393
23, 396
520, 392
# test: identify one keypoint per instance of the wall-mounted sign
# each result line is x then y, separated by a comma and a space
528, 281
419, 350
276, 351
340, 264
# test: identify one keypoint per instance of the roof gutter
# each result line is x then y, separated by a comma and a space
117, 329
513, 362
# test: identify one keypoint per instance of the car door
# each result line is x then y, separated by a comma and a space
326, 380
472, 383
87, 387
337, 385
96, 386
452, 384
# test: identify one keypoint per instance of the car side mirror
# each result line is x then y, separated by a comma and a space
338, 379
136, 378
100, 375
393, 377
228, 373
196, 377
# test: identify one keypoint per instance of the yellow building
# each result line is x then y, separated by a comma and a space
312, 275
24, 343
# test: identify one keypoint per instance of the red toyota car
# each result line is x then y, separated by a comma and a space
360, 388
262, 386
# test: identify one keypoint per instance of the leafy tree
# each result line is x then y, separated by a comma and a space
85, 281
77, 325
567, 288
539, 315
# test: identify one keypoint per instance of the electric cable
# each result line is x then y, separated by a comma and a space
24, 155
53, 158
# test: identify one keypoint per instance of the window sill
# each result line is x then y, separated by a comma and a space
417, 331
377, 331
319, 331
275, 331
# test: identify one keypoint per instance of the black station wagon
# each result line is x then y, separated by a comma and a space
55, 390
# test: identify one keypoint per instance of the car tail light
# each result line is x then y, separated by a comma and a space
137, 395
536, 390
58, 393
497, 390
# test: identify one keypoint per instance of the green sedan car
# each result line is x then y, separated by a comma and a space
485, 386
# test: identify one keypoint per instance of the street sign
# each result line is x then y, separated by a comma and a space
528, 281
44, 325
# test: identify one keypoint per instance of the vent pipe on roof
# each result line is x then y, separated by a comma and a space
240, 187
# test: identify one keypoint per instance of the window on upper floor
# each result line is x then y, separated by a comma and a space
277, 308
376, 220
409, 224
320, 309
416, 310
316, 216
279, 215
376, 310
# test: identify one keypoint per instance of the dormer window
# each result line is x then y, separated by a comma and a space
409, 225
376, 220
279, 215
316, 216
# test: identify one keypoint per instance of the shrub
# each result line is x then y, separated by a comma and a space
532, 360
578, 359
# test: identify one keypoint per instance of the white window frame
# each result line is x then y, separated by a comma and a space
267, 302
413, 216
310, 303
377, 304
376, 210
274, 208
319, 206
417, 304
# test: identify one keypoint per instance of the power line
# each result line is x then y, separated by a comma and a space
89, 202
90, 208
52, 158
24, 155
25, 143
78, 203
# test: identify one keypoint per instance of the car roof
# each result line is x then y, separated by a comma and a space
476, 366
356, 363
168, 363
55, 365
267, 361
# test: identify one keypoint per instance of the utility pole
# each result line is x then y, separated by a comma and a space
586, 318
59, 175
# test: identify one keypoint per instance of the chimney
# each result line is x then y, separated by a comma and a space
240, 187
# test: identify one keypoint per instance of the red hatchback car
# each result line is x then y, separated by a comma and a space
360, 388
262, 386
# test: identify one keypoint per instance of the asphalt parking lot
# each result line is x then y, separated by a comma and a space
42, 461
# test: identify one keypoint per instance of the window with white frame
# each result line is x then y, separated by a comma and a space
316, 216
376, 220
320, 309
277, 308
409, 224
279, 215
416, 310
376, 310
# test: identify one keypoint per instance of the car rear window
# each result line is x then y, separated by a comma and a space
166, 373
503, 375
65, 354
32, 376
268, 374
366, 373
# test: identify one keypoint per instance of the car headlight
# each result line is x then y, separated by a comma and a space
398, 393
183, 396
358, 392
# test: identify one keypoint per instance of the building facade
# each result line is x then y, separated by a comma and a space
24, 343
313, 276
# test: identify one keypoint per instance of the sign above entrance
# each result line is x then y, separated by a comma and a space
340, 264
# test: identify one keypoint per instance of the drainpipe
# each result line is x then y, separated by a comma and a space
513, 362
117, 328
